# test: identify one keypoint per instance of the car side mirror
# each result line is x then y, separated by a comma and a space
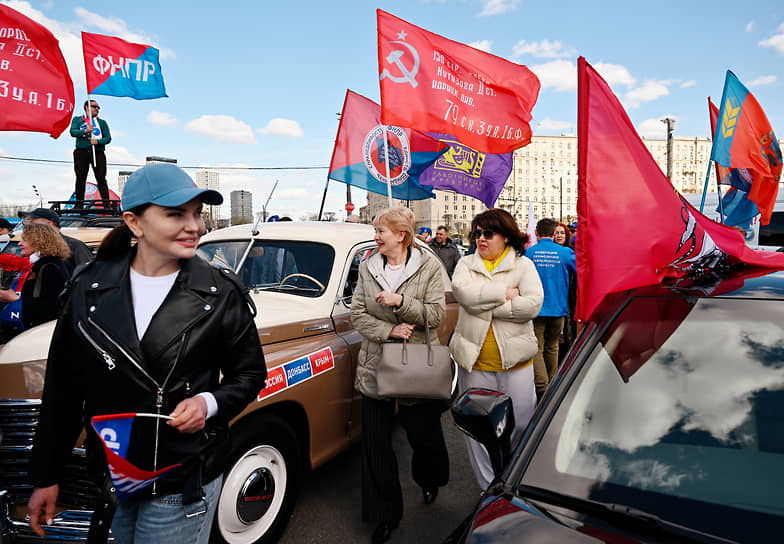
487, 417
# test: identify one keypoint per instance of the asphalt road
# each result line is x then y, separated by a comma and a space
328, 508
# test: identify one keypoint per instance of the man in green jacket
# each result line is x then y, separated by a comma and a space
89, 135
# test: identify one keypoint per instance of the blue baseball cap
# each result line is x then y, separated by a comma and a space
164, 185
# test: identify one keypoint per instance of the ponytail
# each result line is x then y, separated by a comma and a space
119, 240
116, 243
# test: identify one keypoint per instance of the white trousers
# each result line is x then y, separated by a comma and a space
519, 385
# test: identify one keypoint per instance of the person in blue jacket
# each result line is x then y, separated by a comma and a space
553, 262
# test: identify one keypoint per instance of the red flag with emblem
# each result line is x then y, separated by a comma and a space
36, 93
745, 139
434, 84
678, 240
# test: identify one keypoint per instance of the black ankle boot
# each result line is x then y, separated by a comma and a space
383, 532
430, 494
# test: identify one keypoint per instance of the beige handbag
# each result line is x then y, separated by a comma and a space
420, 371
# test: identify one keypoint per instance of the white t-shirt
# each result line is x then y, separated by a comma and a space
394, 274
147, 294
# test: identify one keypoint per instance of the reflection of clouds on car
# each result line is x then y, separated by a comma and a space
699, 381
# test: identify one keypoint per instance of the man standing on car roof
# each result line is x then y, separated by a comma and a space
92, 136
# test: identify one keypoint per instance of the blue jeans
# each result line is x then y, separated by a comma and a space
163, 519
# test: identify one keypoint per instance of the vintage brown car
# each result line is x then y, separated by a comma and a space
301, 277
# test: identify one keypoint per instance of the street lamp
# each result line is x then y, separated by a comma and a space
560, 187
670, 127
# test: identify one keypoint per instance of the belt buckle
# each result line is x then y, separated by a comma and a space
195, 509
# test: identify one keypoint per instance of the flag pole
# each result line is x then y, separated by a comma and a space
90, 119
386, 161
705, 188
323, 199
721, 203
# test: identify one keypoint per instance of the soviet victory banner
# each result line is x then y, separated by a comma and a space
434, 84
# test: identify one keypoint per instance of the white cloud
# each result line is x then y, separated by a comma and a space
498, 7
654, 128
762, 80
161, 119
222, 128
120, 154
543, 49
560, 74
295, 193
551, 124
282, 127
750, 26
776, 41
117, 27
482, 45
690, 83
68, 34
650, 90
615, 74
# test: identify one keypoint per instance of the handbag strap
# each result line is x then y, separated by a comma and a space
427, 340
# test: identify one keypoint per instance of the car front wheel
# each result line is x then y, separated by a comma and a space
260, 485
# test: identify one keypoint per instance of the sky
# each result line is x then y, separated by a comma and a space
255, 87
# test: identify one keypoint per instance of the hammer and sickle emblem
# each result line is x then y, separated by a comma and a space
394, 58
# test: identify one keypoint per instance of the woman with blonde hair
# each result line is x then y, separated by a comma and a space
499, 292
47, 252
396, 283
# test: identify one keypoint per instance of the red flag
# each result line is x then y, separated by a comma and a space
745, 139
434, 84
36, 91
360, 154
677, 240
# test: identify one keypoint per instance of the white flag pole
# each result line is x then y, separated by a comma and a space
386, 161
531, 230
90, 118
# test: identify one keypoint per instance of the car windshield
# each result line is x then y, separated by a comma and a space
680, 415
297, 268
11, 246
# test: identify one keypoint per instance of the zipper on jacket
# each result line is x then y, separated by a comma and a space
121, 350
159, 405
158, 388
105, 355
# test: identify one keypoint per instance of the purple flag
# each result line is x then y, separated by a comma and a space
467, 171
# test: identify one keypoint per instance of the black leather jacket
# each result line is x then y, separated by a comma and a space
97, 365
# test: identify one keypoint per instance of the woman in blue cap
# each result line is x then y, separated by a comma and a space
150, 328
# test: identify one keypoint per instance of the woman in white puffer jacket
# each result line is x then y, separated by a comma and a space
499, 292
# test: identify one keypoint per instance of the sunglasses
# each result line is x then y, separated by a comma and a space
487, 233
96, 107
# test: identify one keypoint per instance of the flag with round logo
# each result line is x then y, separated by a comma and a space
360, 156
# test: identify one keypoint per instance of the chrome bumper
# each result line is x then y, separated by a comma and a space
69, 526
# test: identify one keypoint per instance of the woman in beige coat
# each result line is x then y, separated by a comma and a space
499, 293
395, 283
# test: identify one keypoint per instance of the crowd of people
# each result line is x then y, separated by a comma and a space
515, 308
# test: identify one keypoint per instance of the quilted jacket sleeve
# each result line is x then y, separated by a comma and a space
476, 297
526, 306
